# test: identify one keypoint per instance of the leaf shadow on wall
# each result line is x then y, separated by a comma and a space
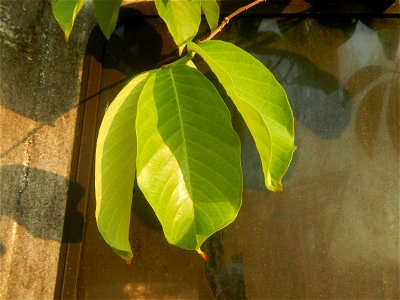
41, 210
132, 48
40, 67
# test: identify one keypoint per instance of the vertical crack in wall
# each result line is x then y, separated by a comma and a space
24, 178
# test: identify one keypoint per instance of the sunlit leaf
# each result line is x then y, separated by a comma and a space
65, 12
115, 167
182, 18
211, 11
107, 15
188, 158
261, 101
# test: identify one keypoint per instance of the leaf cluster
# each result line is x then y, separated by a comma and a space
171, 130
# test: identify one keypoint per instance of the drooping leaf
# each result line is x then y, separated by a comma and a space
211, 11
188, 159
106, 12
182, 18
261, 101
115, 167
65, 12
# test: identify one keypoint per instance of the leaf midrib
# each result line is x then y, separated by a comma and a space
184, 146
182, 130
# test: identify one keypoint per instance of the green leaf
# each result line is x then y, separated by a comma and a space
188, 161
65, 12
115, 167
182, 18
211, 11
106, 12
260, 99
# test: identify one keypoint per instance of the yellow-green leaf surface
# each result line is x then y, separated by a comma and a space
106, 12
182, 18
65, 12
211, 11
188, 158
115, 167
261, 101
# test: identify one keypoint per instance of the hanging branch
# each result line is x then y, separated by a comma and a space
228, 18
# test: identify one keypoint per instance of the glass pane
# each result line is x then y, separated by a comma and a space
334, 231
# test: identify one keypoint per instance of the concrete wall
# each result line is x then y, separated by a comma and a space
40, 83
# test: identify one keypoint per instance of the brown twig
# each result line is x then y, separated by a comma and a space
228, 18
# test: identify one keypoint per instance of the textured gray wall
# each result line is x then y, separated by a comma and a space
40, 82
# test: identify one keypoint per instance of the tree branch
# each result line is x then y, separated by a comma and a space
228, 18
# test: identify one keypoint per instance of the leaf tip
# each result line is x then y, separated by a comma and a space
202, 254
107, 32
66, 36
128, 261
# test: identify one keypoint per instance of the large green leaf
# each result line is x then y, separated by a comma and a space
107, 15
211, 11
115, 167
261, 101
65, 12
182, 18
188, 159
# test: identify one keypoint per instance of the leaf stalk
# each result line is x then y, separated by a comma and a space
182, 60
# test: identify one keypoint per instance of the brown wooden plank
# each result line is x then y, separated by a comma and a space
81, 166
